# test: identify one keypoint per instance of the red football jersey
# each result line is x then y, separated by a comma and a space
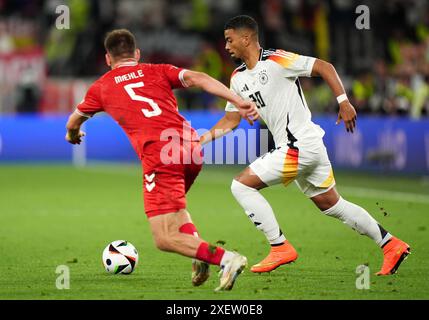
139, 97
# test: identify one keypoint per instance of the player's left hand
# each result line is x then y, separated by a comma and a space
347, 113
74, 137
248, 111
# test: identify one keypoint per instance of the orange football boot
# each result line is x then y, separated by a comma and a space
395, 251
278, 256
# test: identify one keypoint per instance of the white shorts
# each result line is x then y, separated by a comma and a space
309, 167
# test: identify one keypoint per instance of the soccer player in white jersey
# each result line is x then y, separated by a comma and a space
270, 79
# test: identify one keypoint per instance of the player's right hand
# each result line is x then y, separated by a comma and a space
74, 138
248, 111
347, 113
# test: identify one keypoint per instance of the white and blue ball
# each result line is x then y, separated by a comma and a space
120, 256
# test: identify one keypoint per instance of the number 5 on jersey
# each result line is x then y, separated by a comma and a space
156, 110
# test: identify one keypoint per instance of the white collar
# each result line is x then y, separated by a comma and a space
129, 63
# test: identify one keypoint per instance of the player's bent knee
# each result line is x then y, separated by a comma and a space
238, 188
250, 180
235, 186
239, 177
163, 245
162, 242
326, 200
337, 210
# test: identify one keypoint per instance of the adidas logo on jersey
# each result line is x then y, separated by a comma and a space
245, 88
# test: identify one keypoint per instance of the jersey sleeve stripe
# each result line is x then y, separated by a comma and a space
86, 115
285, 54
242, 67
284, 61
182, 80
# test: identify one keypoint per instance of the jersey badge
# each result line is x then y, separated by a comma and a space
263, 77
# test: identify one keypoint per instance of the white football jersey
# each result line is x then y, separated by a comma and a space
274, 87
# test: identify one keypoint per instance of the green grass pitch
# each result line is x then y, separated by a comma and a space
54, 215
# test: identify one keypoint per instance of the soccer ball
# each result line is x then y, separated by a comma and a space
120, 256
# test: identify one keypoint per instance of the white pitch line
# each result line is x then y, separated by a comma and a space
352, 191
385, 194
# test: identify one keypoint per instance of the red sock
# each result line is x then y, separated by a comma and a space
209, 253
189, 228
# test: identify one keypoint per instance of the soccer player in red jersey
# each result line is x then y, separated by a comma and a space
139, 97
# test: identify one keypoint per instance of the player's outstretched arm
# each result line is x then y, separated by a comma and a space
347, 112
74, 135
226, 124
247, 109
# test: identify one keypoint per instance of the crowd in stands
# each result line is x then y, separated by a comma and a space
385, 68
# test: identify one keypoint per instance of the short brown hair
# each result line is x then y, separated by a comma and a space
120, 43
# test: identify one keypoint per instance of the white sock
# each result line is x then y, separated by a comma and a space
359, 219
258, 210
228, 255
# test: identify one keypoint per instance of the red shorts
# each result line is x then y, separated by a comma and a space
169, 170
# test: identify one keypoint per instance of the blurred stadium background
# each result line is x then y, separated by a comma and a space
45, 71
60, 214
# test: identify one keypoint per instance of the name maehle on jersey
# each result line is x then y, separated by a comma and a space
274, 86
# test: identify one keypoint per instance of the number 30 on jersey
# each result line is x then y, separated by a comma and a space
156, 110
257, 99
